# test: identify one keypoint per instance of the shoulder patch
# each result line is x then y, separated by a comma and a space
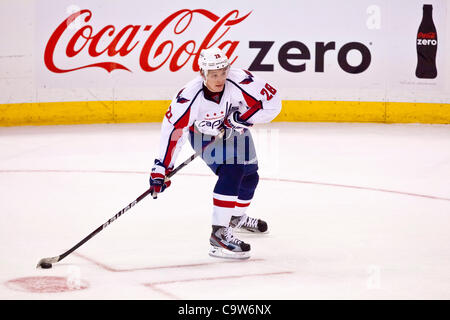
181, 99
248, 79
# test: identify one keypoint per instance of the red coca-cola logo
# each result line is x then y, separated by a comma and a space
429, 35
123, 42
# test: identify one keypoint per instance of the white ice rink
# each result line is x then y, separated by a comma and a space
355, 211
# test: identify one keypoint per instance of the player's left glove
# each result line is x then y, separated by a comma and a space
233, 121
158, 178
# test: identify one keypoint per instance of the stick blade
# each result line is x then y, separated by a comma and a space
47, 260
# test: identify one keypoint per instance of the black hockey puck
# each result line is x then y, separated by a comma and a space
45, 265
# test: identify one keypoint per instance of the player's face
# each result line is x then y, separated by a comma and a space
215, 79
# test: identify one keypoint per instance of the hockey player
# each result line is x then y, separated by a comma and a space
229, 100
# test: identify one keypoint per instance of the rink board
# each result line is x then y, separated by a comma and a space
84, 112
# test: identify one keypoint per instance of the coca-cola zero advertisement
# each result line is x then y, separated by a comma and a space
427, 44
120, 50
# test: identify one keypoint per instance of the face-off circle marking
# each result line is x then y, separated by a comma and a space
45, 284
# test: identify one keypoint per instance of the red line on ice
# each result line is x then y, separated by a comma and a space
220, 278
179, 266
164, 292
153, 285
207, 175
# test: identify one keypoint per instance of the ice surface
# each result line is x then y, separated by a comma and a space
355, 211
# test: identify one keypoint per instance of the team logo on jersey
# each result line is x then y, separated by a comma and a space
249, 78
180, 99
212, 124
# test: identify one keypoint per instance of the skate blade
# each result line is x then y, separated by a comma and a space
227, 254
247, 231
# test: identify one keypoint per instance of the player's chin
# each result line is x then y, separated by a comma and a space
219, 87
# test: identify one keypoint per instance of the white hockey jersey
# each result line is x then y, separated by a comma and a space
257, 101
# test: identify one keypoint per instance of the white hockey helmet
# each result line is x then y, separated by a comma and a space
212, 59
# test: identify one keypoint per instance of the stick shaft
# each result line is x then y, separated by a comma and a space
103, 226
128, 207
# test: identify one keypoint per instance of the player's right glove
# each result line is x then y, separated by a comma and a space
158, 178
233, 121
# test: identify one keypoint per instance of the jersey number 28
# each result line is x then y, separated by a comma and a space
269, 91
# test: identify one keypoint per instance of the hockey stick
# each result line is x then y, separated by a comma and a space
46, 263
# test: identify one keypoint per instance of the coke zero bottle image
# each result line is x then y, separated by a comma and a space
426, 45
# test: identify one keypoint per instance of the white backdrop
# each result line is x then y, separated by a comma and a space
385, 30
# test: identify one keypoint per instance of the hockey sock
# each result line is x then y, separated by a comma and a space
246, 192
226, 193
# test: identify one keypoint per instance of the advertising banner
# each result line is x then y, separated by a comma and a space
353, 49
89, 61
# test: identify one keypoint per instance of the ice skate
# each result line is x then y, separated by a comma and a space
246, 224
225, 245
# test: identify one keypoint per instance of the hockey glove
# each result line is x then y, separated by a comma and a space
158, 178
233, 121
